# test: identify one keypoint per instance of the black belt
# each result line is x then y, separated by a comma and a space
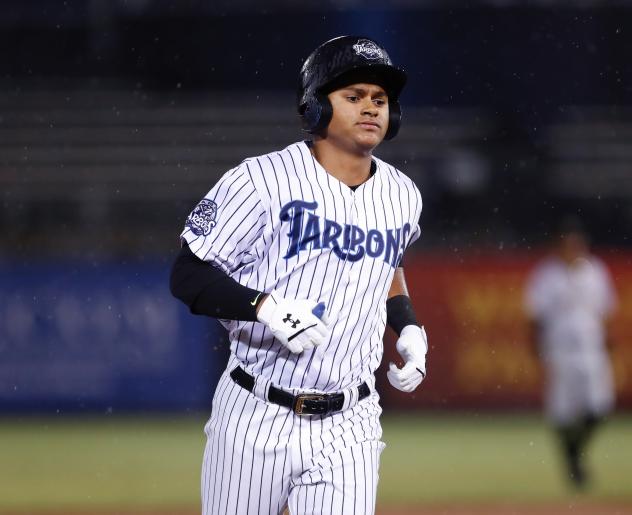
304, 404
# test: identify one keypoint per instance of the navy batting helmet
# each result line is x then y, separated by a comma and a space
342, 61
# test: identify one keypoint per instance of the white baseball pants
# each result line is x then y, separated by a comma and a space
261, 457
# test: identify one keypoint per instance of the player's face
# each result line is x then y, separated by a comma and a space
360, 116
573, 246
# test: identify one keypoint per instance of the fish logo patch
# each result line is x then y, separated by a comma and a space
202, 218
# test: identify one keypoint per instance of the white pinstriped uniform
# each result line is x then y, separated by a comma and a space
571, 303
280, 221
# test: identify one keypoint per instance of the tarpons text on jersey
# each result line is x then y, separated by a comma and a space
348, 242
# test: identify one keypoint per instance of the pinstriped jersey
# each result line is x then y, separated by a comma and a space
280, 221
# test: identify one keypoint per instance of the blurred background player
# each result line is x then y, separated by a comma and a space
569, 300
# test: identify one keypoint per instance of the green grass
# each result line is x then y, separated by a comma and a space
144, 462
100, 462
495, 459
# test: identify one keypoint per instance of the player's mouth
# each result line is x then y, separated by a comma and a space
369, 125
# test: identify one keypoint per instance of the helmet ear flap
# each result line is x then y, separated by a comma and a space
316, 113
394, 119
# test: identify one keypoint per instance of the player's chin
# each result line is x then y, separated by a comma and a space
369, 138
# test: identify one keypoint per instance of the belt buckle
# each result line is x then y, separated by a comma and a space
300, 401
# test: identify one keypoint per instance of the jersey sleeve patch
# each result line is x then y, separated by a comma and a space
202, 218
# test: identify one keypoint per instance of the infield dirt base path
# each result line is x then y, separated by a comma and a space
507, 509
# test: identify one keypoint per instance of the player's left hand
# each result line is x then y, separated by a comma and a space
412, 345
299, 325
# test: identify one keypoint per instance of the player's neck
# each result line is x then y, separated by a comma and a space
350, 168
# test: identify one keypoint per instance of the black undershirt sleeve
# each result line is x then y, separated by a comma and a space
400, 313
208, 290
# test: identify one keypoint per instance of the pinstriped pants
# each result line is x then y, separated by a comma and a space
260, 457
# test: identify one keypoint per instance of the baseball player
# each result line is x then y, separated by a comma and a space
569, 298
299, 254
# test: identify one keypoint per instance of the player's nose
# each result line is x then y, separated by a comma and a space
368, 106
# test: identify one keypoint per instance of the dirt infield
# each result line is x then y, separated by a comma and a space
506, 509
579, 508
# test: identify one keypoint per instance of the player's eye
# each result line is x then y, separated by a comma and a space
379, 102
353, 98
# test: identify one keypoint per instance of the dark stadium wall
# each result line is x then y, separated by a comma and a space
529, 59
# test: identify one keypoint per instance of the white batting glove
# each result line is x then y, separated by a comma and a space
298, 324
412, 345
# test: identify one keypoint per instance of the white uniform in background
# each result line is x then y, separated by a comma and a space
570, 304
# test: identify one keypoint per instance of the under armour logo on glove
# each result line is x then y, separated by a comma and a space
304, 328
293, 322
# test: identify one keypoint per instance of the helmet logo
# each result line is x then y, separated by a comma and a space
368, 49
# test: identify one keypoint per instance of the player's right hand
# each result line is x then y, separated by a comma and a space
298, 324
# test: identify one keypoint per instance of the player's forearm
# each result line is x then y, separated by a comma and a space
207, 290
399, 308
534, 337
400, 313
607, 329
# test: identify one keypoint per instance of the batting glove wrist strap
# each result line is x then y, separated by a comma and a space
400, 313
298, 324
412, 346
412, 343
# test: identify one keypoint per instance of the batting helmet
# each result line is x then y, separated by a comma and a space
342, 61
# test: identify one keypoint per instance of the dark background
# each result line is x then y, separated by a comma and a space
117, 117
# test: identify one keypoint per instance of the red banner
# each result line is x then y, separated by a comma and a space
472, 308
